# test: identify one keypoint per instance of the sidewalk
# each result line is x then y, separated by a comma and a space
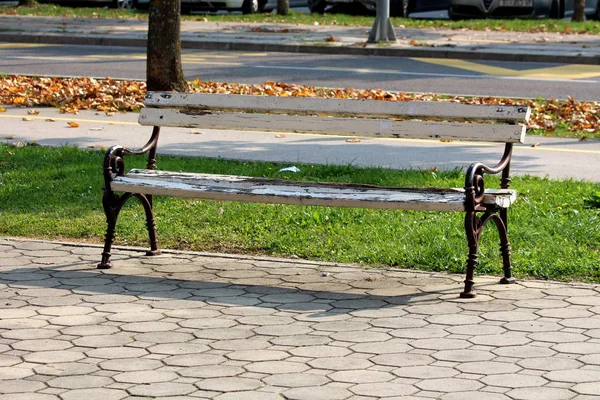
439, 43
206, 326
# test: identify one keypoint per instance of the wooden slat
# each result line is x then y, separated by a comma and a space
348, 107
261, 190
383, 128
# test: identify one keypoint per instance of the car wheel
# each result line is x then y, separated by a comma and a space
557, 9
252, 7
126, 4
317, 6
452, 16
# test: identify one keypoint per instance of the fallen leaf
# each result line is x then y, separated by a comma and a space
331, 39
73, 124
195, 132
27, 119
9, 154
18, 145
280, 135
353, 140
96, 129
583, 138
109, 113
220, 211
50, 120
535, 145
10, 137
2, 109
33, 112
445, 140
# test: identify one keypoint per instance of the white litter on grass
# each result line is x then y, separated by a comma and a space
290, 169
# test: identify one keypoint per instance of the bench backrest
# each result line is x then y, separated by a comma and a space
385, 119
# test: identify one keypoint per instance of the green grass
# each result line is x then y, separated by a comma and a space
54, 193
327, 19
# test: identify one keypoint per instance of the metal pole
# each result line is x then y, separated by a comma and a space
382, 30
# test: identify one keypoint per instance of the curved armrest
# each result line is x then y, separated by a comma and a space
114, 163
474, 182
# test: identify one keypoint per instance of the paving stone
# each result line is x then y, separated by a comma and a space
130, 364
317, 393
228, 384
276, 367
20, 386
241, 344
383, 389
320, 351
89, 330
563, 313
96, 341
505, 339
578, 348
248, 395
549, 363
533, 326
47, 357
301, 340
14, 373
42, 345
449, 385
80, 382
440, 344
25, 334
361, 376
398, 323
94, 394
525, 351
8, 360
465, 355
474, 395
557, 337
293, 380
514, 380
178, 348
575, 376
425, 372
402, 360
75, 320
387, 347
258, 355
212, 371
191, 360
282, 330
164, 337
116, 352
488, 367
145, 377
154, 326
28, 396
207, 323
537, 393
162, 389
65, 369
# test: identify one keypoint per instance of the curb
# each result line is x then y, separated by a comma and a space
474, 54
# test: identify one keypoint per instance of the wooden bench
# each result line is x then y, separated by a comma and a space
363, 118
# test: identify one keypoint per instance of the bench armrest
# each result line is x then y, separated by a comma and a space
474, 181
114, 163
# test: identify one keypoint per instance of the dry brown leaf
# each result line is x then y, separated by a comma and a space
18, 145
33, 112
2, 109
9, 154
195, 132
96, 129
353, 140
535, 145
27, 119
10, 137
50, 120
73, 124
280, 135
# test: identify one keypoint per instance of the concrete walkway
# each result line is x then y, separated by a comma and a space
422, 42
202, 326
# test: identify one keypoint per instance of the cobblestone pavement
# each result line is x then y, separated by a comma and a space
189, 325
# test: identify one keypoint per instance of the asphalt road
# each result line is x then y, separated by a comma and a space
462, 77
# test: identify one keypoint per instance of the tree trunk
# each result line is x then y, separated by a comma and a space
27, 3
579, 12
163, 63
283, 7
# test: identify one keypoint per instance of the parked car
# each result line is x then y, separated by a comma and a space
245, 6
110, 3
462, 9
398, 8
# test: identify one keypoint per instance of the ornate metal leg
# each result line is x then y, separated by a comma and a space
150, 224
112, 205
473, 231
502, 225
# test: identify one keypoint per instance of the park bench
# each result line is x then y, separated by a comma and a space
437, 121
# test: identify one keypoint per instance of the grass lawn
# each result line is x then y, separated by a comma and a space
533, 25
54, 193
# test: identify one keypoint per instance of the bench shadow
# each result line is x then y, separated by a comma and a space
226, 292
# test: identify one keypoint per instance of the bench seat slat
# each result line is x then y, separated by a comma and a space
425, 109
262, 190
364, 127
